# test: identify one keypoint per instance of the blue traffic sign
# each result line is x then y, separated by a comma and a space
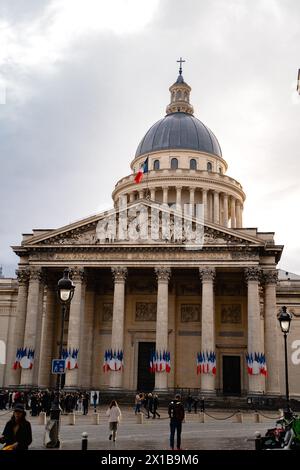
58, 366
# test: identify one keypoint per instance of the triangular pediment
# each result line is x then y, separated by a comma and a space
93, 230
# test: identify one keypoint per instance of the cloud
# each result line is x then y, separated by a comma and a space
86, 79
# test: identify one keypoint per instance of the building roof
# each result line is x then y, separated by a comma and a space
287, 276
179, 131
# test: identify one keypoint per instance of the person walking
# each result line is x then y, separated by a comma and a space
176, 415
155, 406
114, 415
17, 433
138, 403
95, 400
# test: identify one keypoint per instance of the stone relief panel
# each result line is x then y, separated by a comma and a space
190, 313
231, 313
145, 311
107, 311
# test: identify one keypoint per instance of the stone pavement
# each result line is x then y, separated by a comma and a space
153, 434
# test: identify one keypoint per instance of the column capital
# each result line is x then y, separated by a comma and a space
119, 273
23, 276
163, 274
252, 273
270, 277
78, 274
36, 274
207, 273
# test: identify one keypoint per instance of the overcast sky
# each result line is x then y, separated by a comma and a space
81, 81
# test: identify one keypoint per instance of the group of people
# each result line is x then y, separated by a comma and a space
149, 402
37, 401
17, 434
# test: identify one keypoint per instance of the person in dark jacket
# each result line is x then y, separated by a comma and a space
176, 415
17, 431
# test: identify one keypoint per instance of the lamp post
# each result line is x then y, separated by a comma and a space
285, 319
65, 292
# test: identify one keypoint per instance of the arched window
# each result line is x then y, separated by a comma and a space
193, 164
156, 165
209, 166
220, 170
174, 164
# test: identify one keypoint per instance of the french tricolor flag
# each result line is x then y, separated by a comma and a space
143, 169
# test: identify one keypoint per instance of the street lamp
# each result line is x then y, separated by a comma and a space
285, 319
65, 292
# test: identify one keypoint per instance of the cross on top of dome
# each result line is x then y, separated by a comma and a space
181, 60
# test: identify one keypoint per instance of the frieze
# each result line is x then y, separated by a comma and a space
190, 313
231, 313
107, 312
145, 311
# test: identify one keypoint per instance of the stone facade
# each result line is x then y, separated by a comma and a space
136, 286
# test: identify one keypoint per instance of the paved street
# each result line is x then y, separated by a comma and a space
154, 434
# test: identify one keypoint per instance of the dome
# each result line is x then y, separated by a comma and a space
179, 131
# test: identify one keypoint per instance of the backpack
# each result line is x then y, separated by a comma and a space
176, 411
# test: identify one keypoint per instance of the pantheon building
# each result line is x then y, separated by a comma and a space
146, 302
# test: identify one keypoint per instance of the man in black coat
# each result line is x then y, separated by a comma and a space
176, 415
17, 431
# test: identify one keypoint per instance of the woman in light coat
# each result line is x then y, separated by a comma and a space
114, 414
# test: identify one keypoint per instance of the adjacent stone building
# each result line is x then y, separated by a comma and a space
142, 288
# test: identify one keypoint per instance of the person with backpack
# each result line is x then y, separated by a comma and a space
176, 415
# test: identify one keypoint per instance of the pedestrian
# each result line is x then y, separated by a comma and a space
149, 405
95, 400
114, 415
155, 406
176, 414
17, 433
85, 403
189, 402
195, 404
138, 403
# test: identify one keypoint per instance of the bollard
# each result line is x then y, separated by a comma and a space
140, 418
42, 418
238, 417
72, 419
257, 441
84, 442
96, 418
257, 417
201, 417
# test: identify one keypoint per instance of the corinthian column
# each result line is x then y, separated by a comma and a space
271, 338
76, 317
47, 334
255, 344
33, 325
117, 335
12, 377
208, 343
163, 276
